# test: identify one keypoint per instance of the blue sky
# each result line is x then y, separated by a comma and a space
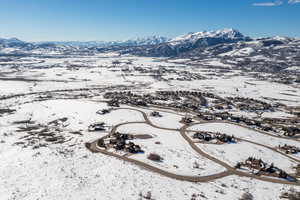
50, 20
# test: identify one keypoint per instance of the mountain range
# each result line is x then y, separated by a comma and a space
152, 40
226, 43
189, 40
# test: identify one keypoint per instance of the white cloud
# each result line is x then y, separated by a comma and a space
274, 3
294, 1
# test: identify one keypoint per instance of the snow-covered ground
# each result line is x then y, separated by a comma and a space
69, 171
99, 71
243, 133
47, 174
240, 52
80, 113
168, 120
239, 152
178, 156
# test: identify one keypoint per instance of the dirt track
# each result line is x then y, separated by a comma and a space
229, 169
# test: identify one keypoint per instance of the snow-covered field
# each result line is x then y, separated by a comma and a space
46, 174
244, 133
99, 71
168, 120
178, 156
238, 152
80, 113
68, 170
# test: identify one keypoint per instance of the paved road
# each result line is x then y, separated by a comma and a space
94, 148
229, 169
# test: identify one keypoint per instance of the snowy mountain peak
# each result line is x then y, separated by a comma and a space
140, 41
150, 40
10, 40
227, 33
14, 40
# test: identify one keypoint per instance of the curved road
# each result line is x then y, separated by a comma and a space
229, 169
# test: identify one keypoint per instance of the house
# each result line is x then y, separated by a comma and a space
203, 136
97, 127
186, 120
288, 149
103, 111
155, 114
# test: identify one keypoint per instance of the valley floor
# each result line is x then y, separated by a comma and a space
47, 105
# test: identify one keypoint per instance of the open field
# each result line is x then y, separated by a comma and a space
48, 107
